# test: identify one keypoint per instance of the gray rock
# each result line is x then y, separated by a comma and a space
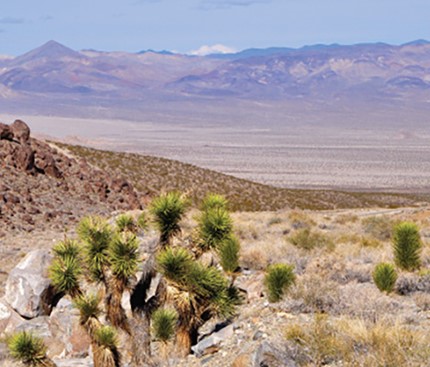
271, 355
76, 362
212, 343
28, 289
8, 318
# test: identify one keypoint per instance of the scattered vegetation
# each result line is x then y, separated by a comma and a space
380, 227
307, 239
385, 277
154, 175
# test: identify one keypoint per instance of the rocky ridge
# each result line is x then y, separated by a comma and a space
40, 186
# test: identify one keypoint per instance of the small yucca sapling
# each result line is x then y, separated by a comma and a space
385, 277
278, 279
29, 349
164, 327
228, 252
407, 246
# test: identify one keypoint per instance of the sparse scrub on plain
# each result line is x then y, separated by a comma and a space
307, 239
380, 227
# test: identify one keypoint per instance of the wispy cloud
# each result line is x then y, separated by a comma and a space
225, 4
11, 20
46, 18
214, 49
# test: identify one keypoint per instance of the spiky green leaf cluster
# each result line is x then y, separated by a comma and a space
96, 235
67, 248
214, 225
123, 255
125, 223
175, 264
164, 324
228, 252
27, 348
88, 306
65, 274
167, 211
278, 279
106, 337
407, 246
212, 201
385, 277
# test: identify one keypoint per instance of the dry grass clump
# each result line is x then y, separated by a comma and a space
370, 242
355, 342
380, 227
308, 240
299, 219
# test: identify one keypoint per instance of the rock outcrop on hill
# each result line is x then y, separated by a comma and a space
40, 185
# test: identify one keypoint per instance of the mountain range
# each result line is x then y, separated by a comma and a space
55, 79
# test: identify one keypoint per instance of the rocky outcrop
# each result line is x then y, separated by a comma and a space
41, 185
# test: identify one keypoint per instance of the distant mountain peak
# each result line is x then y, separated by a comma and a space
51, 49
418, 42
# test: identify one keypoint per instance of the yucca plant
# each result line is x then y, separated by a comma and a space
125, 222
123, 257
175, 264
163, 327
214, 226
385, 277
65, 273
89, 312
407, 246
106, 354
167, 211
228, 252
96, 234
278, 279
212, 201
29, 349
67, 248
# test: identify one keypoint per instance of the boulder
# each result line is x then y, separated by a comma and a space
212, 343
21, 131
271, 355
28, 289
25, 158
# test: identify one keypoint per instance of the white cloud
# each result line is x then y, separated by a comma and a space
214, 49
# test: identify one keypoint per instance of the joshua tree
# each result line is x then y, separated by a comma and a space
215, 226
168, 210
106, 354
197, 293
279, 278
29, 349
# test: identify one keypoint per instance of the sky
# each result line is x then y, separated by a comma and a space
204, 26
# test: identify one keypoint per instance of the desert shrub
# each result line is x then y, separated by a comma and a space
300, 219
346, 218
308, 240
378, 227
28, 349
407, 246
278, 279
385, 277
274, 220
370, 242
254, 258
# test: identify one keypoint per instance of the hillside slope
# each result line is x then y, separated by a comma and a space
152, 175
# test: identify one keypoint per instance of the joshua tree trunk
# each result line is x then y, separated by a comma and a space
115, 312
141, 340
186, 337
48, 362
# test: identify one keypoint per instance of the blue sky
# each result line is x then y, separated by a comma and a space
186, 25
